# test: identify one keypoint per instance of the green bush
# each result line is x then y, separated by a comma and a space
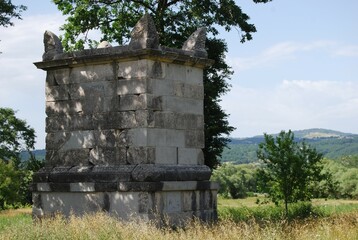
10, 183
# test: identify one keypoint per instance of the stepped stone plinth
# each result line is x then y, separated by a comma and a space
125, 130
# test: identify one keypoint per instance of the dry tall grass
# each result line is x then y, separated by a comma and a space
101, 226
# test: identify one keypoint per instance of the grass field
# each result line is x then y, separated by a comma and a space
328, 206
340, 222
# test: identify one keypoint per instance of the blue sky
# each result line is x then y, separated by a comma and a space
300, 70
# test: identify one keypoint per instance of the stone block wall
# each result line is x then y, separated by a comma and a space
132, 112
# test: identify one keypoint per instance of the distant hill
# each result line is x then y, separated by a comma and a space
39, 154
332, 144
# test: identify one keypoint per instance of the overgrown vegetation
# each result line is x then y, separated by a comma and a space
15, 175
257, 223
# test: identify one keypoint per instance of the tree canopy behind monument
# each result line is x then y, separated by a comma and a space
175, 20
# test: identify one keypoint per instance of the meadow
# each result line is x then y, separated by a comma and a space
238, 219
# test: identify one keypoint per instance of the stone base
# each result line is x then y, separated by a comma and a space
165, 194
165, 202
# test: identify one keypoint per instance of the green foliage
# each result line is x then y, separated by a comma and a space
289, 168
10, 183
9, 11
240, 153
345, 174
15, 175
15, 136
235, 180
175, 20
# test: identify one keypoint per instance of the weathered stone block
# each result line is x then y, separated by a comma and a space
69, 157
115, 120
175, 72
145, 203
91, 73
71, 122
189, 201
102, 156
164, 119
175, 138
189, 121
43, 187
166, 155
172, 202
133, 86
56, 93
144, 118
140, 69
58, 77
123, 205
182, 105
82, 187
108, 156
188, 90
91, 89
133, 69
54, 141
71, 203
160, 87
139, 102
78, 140
194, 75
140, 155
137, 137
194, 139
190, 156
165, 137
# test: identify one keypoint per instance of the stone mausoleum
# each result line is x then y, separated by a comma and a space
125, 130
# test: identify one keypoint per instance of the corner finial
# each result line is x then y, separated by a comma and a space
196, 41
144, 34
53, 46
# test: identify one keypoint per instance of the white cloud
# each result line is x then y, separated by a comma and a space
293, 104
348, 51
277, 53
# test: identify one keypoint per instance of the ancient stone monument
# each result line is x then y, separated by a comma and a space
125, 130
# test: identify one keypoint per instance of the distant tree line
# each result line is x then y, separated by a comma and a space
240, 180
289, 172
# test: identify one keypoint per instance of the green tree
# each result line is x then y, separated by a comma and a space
175, 20
235, 180
15, 136
10, 182
15, 176
9, 11
290, 169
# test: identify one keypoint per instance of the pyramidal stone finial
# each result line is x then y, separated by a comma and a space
53, 46
196, 41
144, 34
